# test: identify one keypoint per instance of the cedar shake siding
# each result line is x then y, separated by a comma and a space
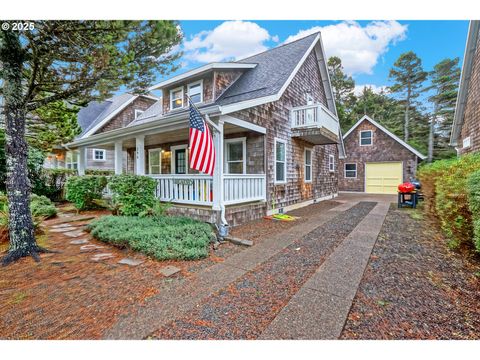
207, 94
127, 115
383, 149
275, 117
471, 120
223, 79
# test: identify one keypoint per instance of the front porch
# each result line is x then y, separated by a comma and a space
239, 175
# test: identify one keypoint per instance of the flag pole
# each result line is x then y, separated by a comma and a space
207, 118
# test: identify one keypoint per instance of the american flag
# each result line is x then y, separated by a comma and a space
202, 151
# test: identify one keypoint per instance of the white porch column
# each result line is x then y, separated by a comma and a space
140, 154
82, 160
118, 157
218, 172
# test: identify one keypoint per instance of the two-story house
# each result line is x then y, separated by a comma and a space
277, 136
465, 134
119, 110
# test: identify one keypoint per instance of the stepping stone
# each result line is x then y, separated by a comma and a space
64, 229
59, 226
104, 256
238, 241
90, 247
130, 262
76, 233
79, 242
169, 270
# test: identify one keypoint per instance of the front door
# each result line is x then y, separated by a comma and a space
180, 161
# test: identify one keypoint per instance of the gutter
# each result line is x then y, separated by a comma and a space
470, 50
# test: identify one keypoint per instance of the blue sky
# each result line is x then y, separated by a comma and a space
367, 48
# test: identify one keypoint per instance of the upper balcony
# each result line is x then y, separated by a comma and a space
315, 124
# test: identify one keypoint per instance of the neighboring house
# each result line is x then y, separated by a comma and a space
376, 160
118, 111
466, 124
278, 140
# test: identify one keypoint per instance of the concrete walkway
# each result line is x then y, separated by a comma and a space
320, 308
177, 298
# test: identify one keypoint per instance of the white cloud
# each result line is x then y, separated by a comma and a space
358, 47
376, 89
231, 40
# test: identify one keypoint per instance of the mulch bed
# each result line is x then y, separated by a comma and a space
69, 296
414, 287
246, 307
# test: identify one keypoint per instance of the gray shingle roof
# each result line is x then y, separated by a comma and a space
153, 110
267, 78
95, 112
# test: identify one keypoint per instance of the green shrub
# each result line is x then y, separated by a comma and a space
474, 205
163, 238
444, 184
52, 183
84, 190
41, 206
103, 172
133, 194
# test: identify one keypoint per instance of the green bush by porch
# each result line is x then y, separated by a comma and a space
446, 187
84, 190
132, 194
163, 238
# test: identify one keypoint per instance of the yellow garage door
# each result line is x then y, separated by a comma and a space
383, 178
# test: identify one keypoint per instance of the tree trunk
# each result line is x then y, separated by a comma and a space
20, 224
430, 139
406, 124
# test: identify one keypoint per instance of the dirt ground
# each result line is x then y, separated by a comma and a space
414, 287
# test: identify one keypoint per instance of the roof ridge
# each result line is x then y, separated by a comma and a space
279, 46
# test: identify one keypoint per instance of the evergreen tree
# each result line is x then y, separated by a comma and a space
445, 79
75, 62
342, 86
408, 76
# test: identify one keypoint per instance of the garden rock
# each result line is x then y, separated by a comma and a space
76, 233
79, 242
90, 247
63, 229
130, 262
104, 256
169, 270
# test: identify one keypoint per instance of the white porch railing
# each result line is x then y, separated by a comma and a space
314, 116
184, 189
239, 188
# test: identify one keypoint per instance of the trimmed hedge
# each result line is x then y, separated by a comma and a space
52, 183
84, 190
103, 172
132, 194
444, 184
163, 238
473, 186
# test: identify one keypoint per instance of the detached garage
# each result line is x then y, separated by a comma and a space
376, 160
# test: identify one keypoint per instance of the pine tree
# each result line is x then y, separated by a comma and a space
444, 79
409, 76
74, 62
342, 86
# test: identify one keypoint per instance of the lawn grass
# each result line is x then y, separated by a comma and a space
163, 238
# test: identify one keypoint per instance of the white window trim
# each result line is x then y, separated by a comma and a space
201, 89
331, 161
172, 158
345, 171
71, 163
104, 155
149, 160
138, 112
243, 140
275, 181
360, 137
305, 165
467, 142
182, 98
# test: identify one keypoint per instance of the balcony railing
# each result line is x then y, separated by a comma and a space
314, 116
